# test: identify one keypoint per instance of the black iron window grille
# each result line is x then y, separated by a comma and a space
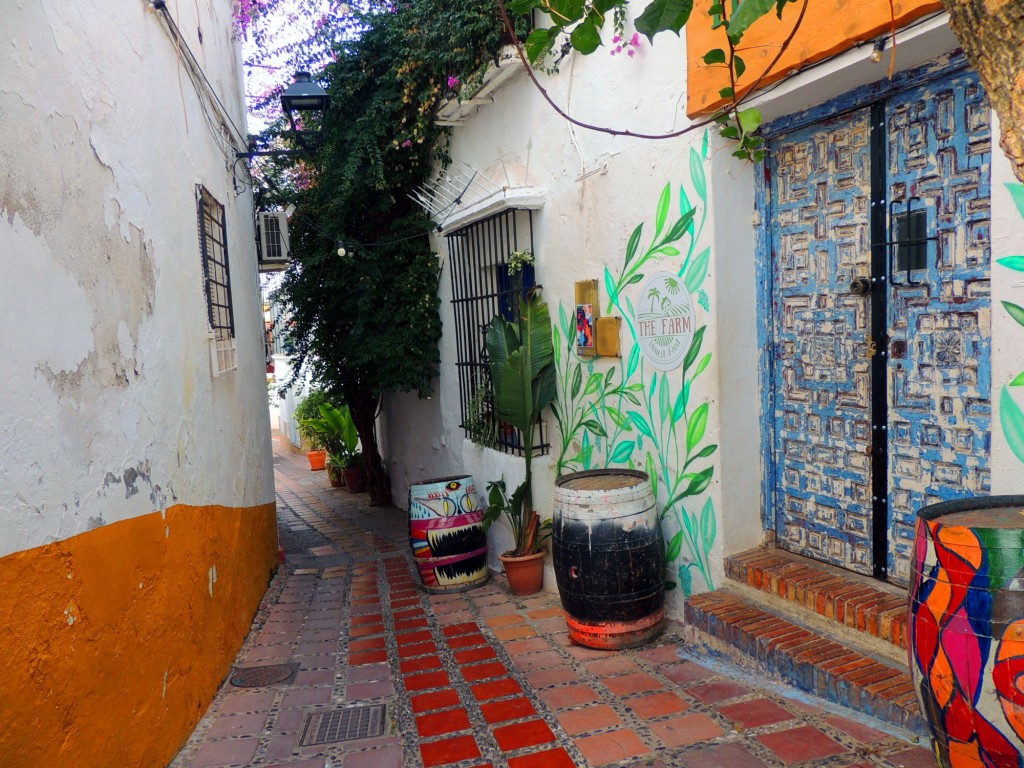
213, 243
481, 289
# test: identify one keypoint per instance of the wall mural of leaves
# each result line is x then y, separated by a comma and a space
635, 416
1010, 414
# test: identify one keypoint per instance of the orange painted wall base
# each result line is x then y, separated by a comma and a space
114, 642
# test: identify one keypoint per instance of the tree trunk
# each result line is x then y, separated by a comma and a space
992, 35
363, 405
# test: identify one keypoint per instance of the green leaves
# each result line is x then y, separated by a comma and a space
1012, 262
697, 271
745, 15
695, 427
1012, 419
1017, 193
585, 38
715, 56
1015, 311
662, 15
539, 42
662, 213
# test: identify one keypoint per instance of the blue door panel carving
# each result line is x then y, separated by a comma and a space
820, 201
934, 166
939, 317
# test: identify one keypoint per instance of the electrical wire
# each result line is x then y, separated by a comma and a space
204, 88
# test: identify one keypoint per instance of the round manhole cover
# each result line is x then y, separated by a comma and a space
256, 677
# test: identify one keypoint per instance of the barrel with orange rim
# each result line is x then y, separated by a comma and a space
609, 558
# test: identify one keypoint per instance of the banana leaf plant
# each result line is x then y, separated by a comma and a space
522, 366
336, 432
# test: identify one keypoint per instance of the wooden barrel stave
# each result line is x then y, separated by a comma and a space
609, 558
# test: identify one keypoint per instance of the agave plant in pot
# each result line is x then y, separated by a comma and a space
523, 376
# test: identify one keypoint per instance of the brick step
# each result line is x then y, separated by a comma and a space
806, 658
855, 603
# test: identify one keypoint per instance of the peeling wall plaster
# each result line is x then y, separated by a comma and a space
104, 316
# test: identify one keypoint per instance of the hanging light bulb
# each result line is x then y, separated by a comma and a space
878, 50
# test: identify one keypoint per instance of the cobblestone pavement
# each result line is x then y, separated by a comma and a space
483, 678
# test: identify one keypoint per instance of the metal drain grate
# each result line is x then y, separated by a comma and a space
257, 677
343, 725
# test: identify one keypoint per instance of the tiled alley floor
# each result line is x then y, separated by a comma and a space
483, 678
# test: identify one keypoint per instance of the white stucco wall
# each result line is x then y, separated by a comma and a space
598, 188
109, 408
1007, 334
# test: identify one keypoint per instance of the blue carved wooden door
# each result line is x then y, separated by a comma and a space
880, 322
939, 317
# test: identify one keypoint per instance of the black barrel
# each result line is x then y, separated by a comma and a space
609, 558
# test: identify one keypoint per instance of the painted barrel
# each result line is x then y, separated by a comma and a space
447, 534
609, 558
966, 629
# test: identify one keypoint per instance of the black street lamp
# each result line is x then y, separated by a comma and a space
302, 95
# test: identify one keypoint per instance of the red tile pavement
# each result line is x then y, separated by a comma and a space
733, 755
519, 735
427, 702
486, 679
494, 689
438, 723
595, 717
799, 745
568, 696
683, 730
447, 751
611, 747
751, 714
507, 709
551, 758
657, 704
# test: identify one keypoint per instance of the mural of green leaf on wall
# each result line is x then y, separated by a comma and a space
630, 414
1010, 414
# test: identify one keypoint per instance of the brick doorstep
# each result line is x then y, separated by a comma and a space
828, 592
843, 674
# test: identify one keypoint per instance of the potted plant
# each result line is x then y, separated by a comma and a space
337, 432
523, 375
525, 572
355, 480
305, 412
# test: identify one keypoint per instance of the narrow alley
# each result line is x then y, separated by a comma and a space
372, 672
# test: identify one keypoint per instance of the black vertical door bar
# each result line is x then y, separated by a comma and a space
880, 347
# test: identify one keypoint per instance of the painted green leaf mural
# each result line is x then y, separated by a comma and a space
627, 413
1012, 419
1012, 262
1016, 311
695, 427
1017, 193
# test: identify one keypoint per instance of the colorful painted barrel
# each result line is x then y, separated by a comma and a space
966, 629
447, 534
609, 558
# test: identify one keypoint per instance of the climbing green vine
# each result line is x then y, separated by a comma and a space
635, 416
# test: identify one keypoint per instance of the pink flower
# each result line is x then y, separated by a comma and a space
407, 143
453, 82
616, 39
635, 40
631, 53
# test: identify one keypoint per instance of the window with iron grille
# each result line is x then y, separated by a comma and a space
482, 288
213, 246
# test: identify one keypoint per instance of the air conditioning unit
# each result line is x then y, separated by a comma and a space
274, 252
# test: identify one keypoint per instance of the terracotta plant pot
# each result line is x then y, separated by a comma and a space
525, 574
355, 481
317, 460
334, 474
